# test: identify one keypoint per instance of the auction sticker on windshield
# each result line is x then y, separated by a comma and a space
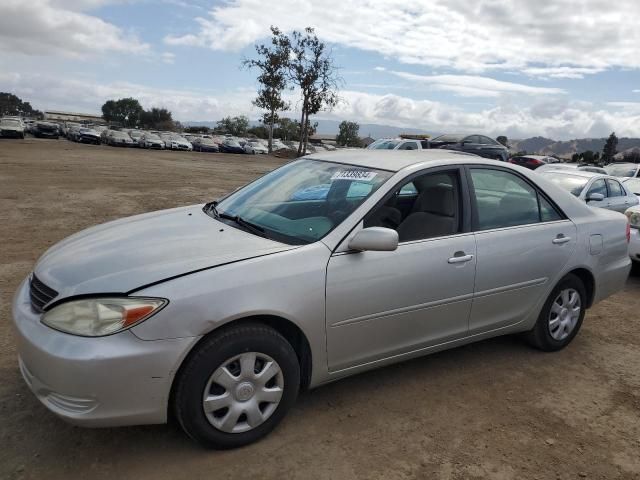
362, 175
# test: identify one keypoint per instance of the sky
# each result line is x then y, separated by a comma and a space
557, 68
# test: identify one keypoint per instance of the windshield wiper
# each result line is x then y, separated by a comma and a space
252, 227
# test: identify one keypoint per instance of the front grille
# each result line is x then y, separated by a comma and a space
40, 294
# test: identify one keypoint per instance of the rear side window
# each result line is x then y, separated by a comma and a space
598, 187
506, 200
615, 190
408, 146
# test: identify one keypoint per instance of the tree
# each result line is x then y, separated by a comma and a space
311, 70
13, 105
503, 140
260, 131
348, 134
157, 118
125, 111
575, 158
288, 130
196, 129
237, 126
610, 148
272, 64
587, 157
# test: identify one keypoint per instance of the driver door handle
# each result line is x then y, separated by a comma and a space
460, 257
560, 239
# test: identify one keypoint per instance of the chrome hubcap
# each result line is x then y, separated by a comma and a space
243, 392
564, 315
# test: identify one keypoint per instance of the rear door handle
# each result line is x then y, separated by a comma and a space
460, 257
560, 239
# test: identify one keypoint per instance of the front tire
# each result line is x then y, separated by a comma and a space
561, 317
236, 386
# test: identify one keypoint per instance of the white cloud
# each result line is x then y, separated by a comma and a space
475, 86
46, 27
468, 36
168, 57
561, 72
559, 119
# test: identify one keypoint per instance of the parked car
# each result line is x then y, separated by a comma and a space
632, 184
633, 214
11, 128
478, 144
73, 133
230, 145
166, 138
533, 161
205, 145
253, 147
277, 144
623, 169
88, 135
595, 189
68, 126
571, 166
218, 315
151, 140
46, 130
117, 138
398, 144
176, 142
135, 136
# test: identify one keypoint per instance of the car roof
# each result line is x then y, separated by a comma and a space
577, 173
396, 160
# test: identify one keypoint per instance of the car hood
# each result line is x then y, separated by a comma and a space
124, 255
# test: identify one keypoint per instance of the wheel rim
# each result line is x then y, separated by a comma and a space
243, 392
564, 315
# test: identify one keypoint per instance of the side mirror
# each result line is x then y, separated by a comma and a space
377, 239
595, 197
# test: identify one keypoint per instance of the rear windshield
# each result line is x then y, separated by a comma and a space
448, 138
571, 183
621, 170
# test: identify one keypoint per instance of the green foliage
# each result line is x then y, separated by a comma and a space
348, 134
259, 131
610, 148
287, 130
237, 126
196, 129
587, 157
272, 63
13, 105
157, 119
575, 158
125, 112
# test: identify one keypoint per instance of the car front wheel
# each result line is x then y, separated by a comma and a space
236, 386
561, 317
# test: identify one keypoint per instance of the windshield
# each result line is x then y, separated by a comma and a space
386, 145
304, 200
448, 138
571, 183
119, 135
178, 138
10, 122
135, 134
151, 136
621, 170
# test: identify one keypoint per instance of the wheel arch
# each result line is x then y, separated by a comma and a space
289, 330
589, 282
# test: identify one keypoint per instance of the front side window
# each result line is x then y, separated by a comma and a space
433, 211
302, 201
408, 146
598, 187
503, 199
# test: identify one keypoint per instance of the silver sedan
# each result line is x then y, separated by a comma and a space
595, 189
220, 314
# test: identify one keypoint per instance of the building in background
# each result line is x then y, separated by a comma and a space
57, 116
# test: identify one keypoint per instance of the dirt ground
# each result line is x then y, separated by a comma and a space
496, 409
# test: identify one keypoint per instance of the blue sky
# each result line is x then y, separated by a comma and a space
558, 68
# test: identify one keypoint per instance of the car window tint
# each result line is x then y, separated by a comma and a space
615, 190
598, 187
359, 190
547, 212
472, 139
432, 211
503, 199
408, 146
487, 141
425, 144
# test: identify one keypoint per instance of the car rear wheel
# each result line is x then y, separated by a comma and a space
236, 386
561, 317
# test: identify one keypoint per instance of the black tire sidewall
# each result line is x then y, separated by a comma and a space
210, 354
543, 338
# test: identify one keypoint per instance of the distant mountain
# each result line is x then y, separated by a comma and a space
547, 146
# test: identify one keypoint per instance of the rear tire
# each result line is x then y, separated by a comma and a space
561, 316
246, 377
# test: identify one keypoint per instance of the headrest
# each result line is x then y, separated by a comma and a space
439, 199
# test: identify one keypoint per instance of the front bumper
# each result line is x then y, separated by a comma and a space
97, 382
634, 245
11, 133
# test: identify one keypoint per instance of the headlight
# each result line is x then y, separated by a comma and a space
634, 218
101, 316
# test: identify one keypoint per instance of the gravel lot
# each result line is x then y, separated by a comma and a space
496, 409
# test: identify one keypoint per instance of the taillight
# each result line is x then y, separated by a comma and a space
628, 232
